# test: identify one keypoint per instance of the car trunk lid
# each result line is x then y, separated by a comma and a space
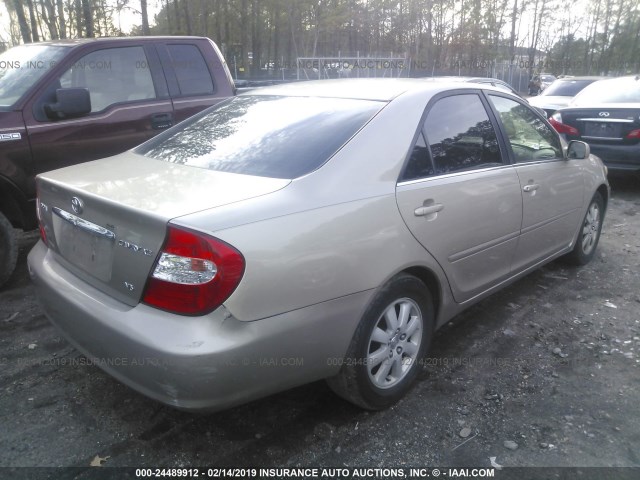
107, 220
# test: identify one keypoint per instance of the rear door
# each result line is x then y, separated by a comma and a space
129, 105
552, 186
196, 76
459, 197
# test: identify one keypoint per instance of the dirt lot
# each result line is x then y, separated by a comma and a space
551, 364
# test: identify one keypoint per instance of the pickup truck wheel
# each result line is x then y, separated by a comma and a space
589, 234
8, 249
385, 354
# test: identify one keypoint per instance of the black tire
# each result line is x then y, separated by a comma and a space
589, 235
8, 249
375, 384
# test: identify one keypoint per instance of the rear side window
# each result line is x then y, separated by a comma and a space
618, 90
460, 135
191, 70
268, 136
419, 164
566, 88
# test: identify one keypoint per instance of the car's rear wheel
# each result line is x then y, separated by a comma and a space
385, 354
589, 236
8, 249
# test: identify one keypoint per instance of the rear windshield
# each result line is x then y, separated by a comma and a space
623, 90
267, 136
21, 67
566, 88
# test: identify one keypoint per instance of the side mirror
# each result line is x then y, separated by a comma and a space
578, 150
71, 102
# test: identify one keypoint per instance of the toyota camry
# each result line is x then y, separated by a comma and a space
320, 230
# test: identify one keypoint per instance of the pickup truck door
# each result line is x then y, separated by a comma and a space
129, 99
196, 75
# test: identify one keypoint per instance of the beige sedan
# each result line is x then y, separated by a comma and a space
321, 230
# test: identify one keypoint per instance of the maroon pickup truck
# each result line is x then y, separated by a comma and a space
66, 102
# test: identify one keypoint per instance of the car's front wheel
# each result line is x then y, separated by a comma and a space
8, 249
589, 235
385, 354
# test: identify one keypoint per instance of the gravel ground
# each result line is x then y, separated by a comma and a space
545, 373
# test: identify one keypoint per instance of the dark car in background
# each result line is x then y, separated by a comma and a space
560, 93
606, 115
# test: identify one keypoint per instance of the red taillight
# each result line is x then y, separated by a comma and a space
556, 122
633, 134
193, 274
43, 232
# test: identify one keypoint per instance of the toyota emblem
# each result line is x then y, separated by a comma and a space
604, 114
77, 205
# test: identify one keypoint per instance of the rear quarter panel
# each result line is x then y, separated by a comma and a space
334, 232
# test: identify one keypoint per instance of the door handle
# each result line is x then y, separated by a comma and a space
531, 187
429, 210
161, 120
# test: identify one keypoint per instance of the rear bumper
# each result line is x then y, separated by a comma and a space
195, 363
618, 158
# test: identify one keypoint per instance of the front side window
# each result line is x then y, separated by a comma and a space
530, 138
268, 136
460, 135
21, 67
112, 75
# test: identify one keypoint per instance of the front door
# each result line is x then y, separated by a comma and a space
127, 108
552, 186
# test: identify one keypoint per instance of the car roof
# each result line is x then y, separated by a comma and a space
464, 79
629, 79
570, 79
377, 89
82, 41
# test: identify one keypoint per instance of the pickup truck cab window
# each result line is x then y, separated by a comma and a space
112, 75
191, 70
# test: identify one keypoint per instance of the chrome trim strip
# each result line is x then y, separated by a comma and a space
448, 175
200, 100
602, 138
82, 224
11, 129
605, 120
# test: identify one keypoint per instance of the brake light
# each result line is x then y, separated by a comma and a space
193, 274
634, 134
556, 122
39, 207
